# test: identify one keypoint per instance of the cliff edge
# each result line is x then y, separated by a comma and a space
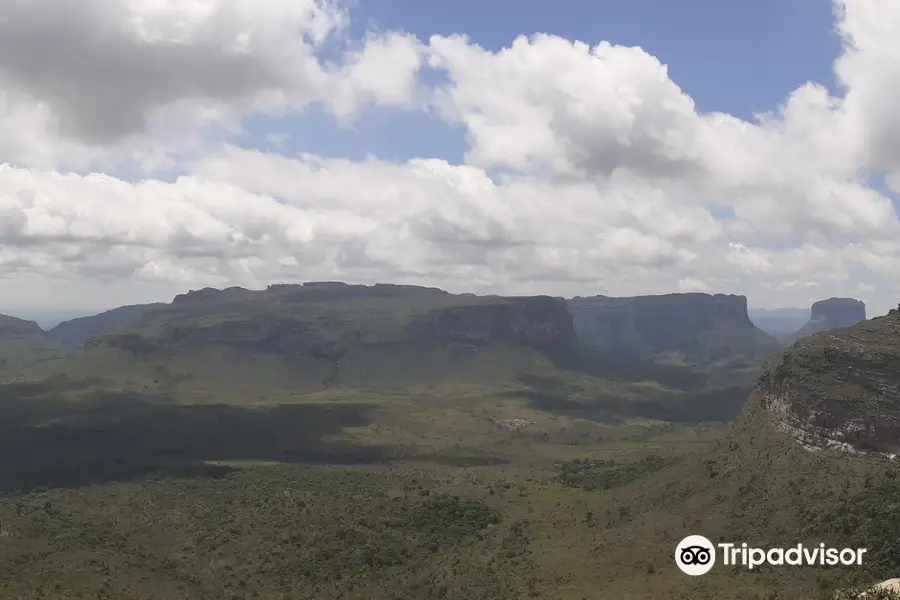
839, 389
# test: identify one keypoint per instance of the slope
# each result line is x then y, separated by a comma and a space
810, 460
25, 349
76, 332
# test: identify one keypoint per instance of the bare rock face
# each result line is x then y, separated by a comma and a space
839, 389
833, 313
702, 327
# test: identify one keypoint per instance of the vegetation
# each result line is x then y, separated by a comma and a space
408, 444
590, 474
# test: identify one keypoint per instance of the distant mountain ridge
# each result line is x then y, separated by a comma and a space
76, 332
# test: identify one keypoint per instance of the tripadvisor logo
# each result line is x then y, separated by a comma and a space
696, 555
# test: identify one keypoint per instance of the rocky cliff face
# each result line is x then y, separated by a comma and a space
833, 313
839, 389
702, 327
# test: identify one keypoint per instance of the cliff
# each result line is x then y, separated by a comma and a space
833, 313
700, 328
838, 389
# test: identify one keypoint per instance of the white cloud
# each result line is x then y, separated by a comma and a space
609, 167
86, 82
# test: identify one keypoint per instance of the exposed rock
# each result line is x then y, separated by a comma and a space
839, 389
883, 589
833, 313
702, 327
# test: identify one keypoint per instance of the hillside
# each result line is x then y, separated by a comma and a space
24, 347
76, 332
810, 459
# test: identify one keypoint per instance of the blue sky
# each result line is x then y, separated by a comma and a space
736, 57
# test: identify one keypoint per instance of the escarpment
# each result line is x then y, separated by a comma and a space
700, 327
838, 389
327, 320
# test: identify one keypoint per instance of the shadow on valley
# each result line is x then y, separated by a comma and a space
719, 404
47, 441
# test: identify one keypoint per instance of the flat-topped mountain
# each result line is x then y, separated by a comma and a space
239, 345
833, 313
697, 328
327, 319
319, 335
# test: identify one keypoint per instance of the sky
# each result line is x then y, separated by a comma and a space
148, 147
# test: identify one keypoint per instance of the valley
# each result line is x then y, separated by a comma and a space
334, 441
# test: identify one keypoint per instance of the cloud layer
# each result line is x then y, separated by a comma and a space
610, 180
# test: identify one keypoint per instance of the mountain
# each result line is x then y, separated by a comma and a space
779, 321
24, 348
833, 313
76, 332
243, 346
322, 335
12, 328
839, 389
695, 328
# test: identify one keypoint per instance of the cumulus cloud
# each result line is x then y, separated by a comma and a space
85, 80
609, 175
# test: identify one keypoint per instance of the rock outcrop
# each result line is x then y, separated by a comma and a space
833, 313
838, 389
701, 327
